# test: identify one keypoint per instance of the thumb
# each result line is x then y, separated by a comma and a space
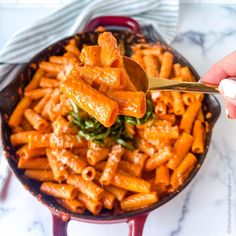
227, 88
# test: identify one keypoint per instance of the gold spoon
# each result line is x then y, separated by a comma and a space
143, 83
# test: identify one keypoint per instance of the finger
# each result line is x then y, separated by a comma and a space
231, 110
227, 88
221, 70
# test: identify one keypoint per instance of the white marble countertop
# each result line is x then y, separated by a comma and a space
207, 206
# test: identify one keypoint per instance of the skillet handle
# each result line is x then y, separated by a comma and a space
59, 226
120, 21
136, 224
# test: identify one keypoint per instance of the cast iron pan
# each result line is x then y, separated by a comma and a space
11, 95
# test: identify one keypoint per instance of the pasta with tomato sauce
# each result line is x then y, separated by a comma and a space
93, 141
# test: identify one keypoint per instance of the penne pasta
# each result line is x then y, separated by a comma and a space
135, 157
72, 48
42, 103
199, 96
92, 205
166, 97
119, 193
37, 93
58, 190
16, 116
110, 54
111, 165
96, 153
138, 201
129, 86
131, 183
146, 147
36, 120
50, 67
112, 77
161, 108
48, 110
58, 168
181, 148
178, 104
73, 205
39, 163
137, 56
162, 175
151, 66
188, 98
130, 103
66, 141
39, 175
38, 140
166, 65
168, 117
198, 137
99, 106
65, 105
108, 200
188, 117
91, 56
177, 69
160, 131
162, 156
67, 158
186, 74
48, 83
88, 173
28, 153
67, 58
160, 189
21, 137
135, 170
183, 170
154, 51
88, 188
62, 126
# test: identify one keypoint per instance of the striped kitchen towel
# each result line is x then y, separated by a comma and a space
161, 15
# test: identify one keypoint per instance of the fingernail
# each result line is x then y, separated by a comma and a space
227, 88
227, 113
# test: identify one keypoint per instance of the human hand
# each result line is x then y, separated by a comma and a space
223, 74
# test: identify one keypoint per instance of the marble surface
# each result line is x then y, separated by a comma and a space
207, 206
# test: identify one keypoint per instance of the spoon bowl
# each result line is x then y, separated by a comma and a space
143, 83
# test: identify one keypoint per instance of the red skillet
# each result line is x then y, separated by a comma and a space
10, 96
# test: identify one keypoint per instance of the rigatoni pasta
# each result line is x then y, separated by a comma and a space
18, 112
95, 103
113, 146
139, 200
111, 165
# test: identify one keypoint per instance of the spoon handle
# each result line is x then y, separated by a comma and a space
167, 84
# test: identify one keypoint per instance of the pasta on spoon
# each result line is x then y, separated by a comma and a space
102, 87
